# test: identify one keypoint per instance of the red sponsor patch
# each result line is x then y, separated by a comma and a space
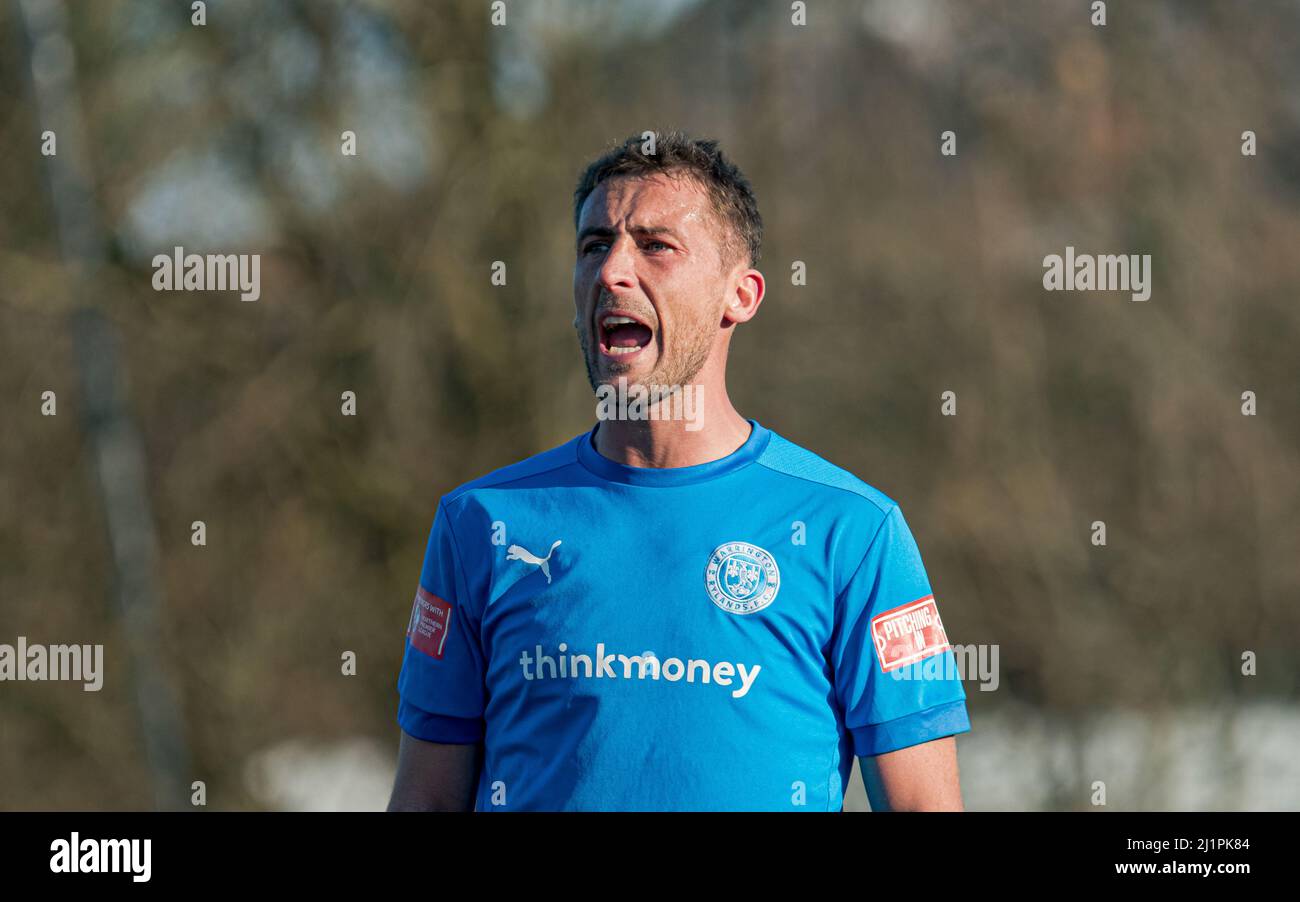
430, 620
908, 633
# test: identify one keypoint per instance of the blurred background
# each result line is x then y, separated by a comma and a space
1120, 664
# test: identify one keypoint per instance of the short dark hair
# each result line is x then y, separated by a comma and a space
730, 193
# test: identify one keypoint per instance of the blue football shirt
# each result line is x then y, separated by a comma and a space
724, 636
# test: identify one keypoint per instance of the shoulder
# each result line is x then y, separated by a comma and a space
537, 471
833, 483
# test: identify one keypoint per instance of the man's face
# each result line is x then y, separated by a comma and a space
648, 285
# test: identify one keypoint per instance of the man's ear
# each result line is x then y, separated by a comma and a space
745, 298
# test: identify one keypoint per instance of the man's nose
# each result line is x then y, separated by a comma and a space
617, 269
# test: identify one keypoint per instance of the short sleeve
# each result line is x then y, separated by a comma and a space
895, 674
441, 684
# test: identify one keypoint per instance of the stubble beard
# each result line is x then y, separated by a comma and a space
677, 368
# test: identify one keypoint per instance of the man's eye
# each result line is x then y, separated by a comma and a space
651, 245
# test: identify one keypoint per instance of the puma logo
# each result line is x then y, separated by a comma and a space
520, 553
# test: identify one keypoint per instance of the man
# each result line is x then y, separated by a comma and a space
680, 609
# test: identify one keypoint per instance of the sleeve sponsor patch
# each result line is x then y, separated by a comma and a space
908, 633
430, 620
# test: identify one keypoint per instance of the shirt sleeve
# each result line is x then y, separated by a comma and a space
895, 674
441, 685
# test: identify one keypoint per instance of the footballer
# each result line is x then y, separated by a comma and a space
678, 609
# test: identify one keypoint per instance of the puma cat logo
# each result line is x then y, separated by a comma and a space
520, 553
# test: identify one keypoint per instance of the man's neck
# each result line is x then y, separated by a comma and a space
668, 443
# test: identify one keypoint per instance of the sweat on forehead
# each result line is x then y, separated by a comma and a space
669, 192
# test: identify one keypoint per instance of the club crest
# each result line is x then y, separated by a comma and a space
742, 578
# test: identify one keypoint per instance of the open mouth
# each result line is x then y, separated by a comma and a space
622, 336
